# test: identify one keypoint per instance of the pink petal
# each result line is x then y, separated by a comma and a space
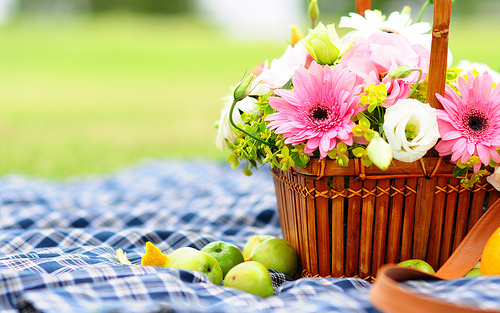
460, 144
484, 154
444, 147
450, 134
477, 167
471, 148
324, 145
494, 155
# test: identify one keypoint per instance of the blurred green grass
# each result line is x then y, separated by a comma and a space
103, 92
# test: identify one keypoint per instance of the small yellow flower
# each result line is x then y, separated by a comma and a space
373, 96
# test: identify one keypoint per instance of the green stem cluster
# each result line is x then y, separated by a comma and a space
243, 130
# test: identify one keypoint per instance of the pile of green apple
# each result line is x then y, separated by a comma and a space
427, 268
225, 263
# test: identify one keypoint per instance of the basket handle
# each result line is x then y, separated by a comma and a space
362, 6
439, 51
389, 294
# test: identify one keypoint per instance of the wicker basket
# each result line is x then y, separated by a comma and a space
353, 219
348, 221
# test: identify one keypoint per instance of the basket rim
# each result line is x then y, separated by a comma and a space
424, 167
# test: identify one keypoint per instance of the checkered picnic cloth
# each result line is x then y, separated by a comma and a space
58, 242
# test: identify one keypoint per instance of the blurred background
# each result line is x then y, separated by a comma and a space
90, 86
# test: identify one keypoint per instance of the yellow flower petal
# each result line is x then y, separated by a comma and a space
153, 256
122, 257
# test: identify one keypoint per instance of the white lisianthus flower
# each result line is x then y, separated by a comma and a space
468, 66
225, 129
281, 70
494, 179
411, 128
379, 152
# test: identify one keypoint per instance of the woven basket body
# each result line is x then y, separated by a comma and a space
354, 219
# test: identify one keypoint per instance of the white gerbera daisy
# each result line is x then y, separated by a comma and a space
480, 68
374, 22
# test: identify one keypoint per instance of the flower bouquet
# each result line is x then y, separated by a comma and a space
380, 149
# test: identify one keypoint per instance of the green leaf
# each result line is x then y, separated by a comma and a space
341, 147
364, 122
304, 157
332, 154
358, 152
297, 159
288, 84
343, 160
457, 171
268, 110
366, 161
369, 135
357, 131
262, 126
284, 167
285, 152
493, 163
248, 128
247, 172
275, 162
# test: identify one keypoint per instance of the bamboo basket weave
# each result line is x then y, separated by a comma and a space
348, 221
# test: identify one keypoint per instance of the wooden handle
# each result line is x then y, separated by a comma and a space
439, 51
362, 6
388, 294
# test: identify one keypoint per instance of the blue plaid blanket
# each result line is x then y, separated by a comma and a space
58, 242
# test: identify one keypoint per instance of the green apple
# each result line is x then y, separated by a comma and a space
419, 265
473, 272
202, 262
177, 253
228, 255
279, 255
252, 277
252, 244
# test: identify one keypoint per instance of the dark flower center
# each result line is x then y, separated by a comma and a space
319, 113
475, 121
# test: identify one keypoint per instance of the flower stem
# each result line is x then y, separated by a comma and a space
422, 10
244, 131
418, 81
370, 118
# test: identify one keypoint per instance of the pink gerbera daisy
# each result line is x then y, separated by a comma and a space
470, 122
318, 110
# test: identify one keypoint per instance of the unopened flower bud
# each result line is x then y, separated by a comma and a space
322, 44
296, 35
243, 88
313, 9
406, 10
402, 71
379, 152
